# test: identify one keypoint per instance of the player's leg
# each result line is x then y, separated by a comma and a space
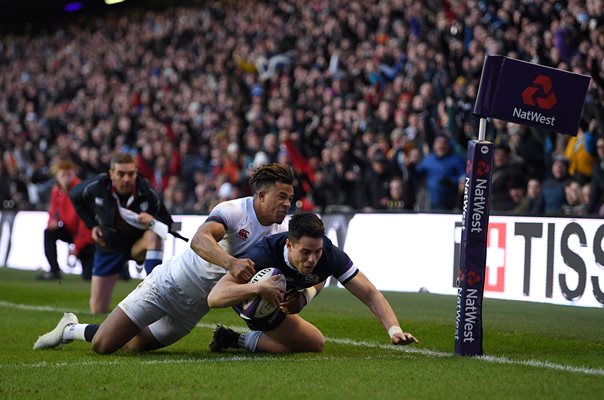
101, 290
148, 250
183, 310
105, 273
127, 327
114, 332
50, 251
86, 257
143, 320
293, 335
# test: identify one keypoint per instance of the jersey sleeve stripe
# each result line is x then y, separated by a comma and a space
216, 218
348, 275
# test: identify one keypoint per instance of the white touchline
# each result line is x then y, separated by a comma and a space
163, 361
343, 341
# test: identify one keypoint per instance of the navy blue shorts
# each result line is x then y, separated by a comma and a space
109, 263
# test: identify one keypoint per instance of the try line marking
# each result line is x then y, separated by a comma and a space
342, 341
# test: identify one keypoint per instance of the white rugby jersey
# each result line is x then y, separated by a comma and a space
193, 274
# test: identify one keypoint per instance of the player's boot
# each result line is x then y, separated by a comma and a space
55, 337
223, 339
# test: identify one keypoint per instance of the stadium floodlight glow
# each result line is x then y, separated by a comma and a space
110, 2
71, 7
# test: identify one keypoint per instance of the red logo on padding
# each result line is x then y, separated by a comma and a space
483, 168
473, 278
540, 93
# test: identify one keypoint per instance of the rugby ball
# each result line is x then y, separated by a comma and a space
256, 307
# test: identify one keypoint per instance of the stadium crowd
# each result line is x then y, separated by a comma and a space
370, 102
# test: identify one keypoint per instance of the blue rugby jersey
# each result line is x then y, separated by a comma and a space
270, 252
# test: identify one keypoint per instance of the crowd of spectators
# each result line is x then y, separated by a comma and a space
370, 102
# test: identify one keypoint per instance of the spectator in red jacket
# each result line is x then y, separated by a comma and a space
64, 225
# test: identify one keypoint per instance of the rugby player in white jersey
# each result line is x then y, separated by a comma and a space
169, 302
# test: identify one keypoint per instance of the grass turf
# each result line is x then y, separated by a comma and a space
532, 351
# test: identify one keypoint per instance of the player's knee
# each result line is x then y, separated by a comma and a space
316, 346
98, 307
320, 344
94, 310
102, 346
153, 241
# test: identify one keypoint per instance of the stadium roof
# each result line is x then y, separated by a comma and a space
14, 14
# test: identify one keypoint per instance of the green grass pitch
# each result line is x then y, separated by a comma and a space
532, 351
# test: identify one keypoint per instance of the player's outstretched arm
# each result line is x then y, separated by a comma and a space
205, 244
365, 291
228, 291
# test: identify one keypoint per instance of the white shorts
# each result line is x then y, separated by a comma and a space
159, 303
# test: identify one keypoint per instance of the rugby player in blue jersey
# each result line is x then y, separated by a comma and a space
307, 259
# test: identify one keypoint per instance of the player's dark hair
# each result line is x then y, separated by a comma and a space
269, 174
122, 158
305, 224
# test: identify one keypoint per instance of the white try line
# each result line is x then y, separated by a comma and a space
341, 341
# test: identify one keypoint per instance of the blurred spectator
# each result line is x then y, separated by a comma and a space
527, 148
442, 170
580, 151
518, 199
533, 192
552, 194
204, 198
396, 196
596, 195
342, 177
64, 225
585, 194
180, 204
376, 182
573, 204
505, 172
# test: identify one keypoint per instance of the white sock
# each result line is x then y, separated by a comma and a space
250, 340
74, 332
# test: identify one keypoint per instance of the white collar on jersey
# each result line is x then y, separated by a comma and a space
286, 258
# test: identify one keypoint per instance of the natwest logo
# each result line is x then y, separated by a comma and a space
483, 168
540, 93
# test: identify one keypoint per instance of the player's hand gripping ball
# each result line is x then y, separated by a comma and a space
257, 307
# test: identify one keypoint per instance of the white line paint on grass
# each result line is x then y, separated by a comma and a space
341, 341
29, 307
163, 361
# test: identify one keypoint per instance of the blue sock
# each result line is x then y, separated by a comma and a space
90, 331
152, 259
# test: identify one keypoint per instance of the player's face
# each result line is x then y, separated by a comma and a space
275, 202
123, 177
305, 253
